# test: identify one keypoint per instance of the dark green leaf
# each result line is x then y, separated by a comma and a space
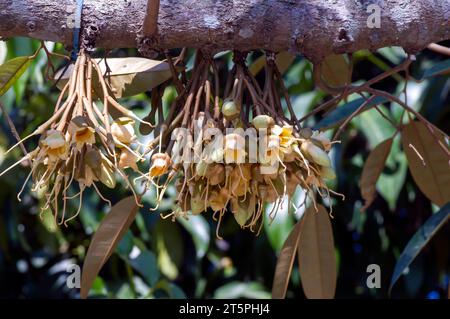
341, 112
419, 241
437, 69
147, 266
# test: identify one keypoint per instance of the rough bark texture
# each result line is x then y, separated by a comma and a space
313, 27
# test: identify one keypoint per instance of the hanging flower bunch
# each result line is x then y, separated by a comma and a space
236, 153
231, 149
81, 144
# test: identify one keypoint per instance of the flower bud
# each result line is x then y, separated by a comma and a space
322, 139
230, 109
243, 210
315, 153
263, 122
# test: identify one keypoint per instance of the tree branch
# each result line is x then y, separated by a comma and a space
315, 28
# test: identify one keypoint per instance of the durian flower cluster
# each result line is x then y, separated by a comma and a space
233, 155
81, 144
241, 169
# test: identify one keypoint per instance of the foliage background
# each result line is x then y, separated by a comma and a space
160, 259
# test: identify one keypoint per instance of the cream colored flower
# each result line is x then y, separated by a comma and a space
123, 130
81, 132
128, 159
234, 150
56, 145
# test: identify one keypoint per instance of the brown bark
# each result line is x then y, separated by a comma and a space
313, 27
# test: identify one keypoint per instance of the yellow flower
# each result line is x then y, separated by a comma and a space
234, 150
81, 131
285, 135
56, 145
160, 164
122, 130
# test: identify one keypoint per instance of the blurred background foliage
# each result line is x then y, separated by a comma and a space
161, 259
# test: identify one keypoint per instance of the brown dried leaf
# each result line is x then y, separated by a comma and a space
283, 60
316, 256
335, 71
127, 76
373, 167
105, 240
285, 262
428, 163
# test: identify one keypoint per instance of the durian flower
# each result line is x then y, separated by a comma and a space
81, 132
234, 150
160, 164
122, 131
128, 159
285, 135
56, 146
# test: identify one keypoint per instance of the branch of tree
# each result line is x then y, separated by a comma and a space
315, 28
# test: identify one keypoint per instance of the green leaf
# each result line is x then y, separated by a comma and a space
11, 71
105, 240
437, 69
419, 241
172, 290
284, 263
341, 112
169, 247
145, 263
278, 230
198, 227
235, 289
391, 181
374, 126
